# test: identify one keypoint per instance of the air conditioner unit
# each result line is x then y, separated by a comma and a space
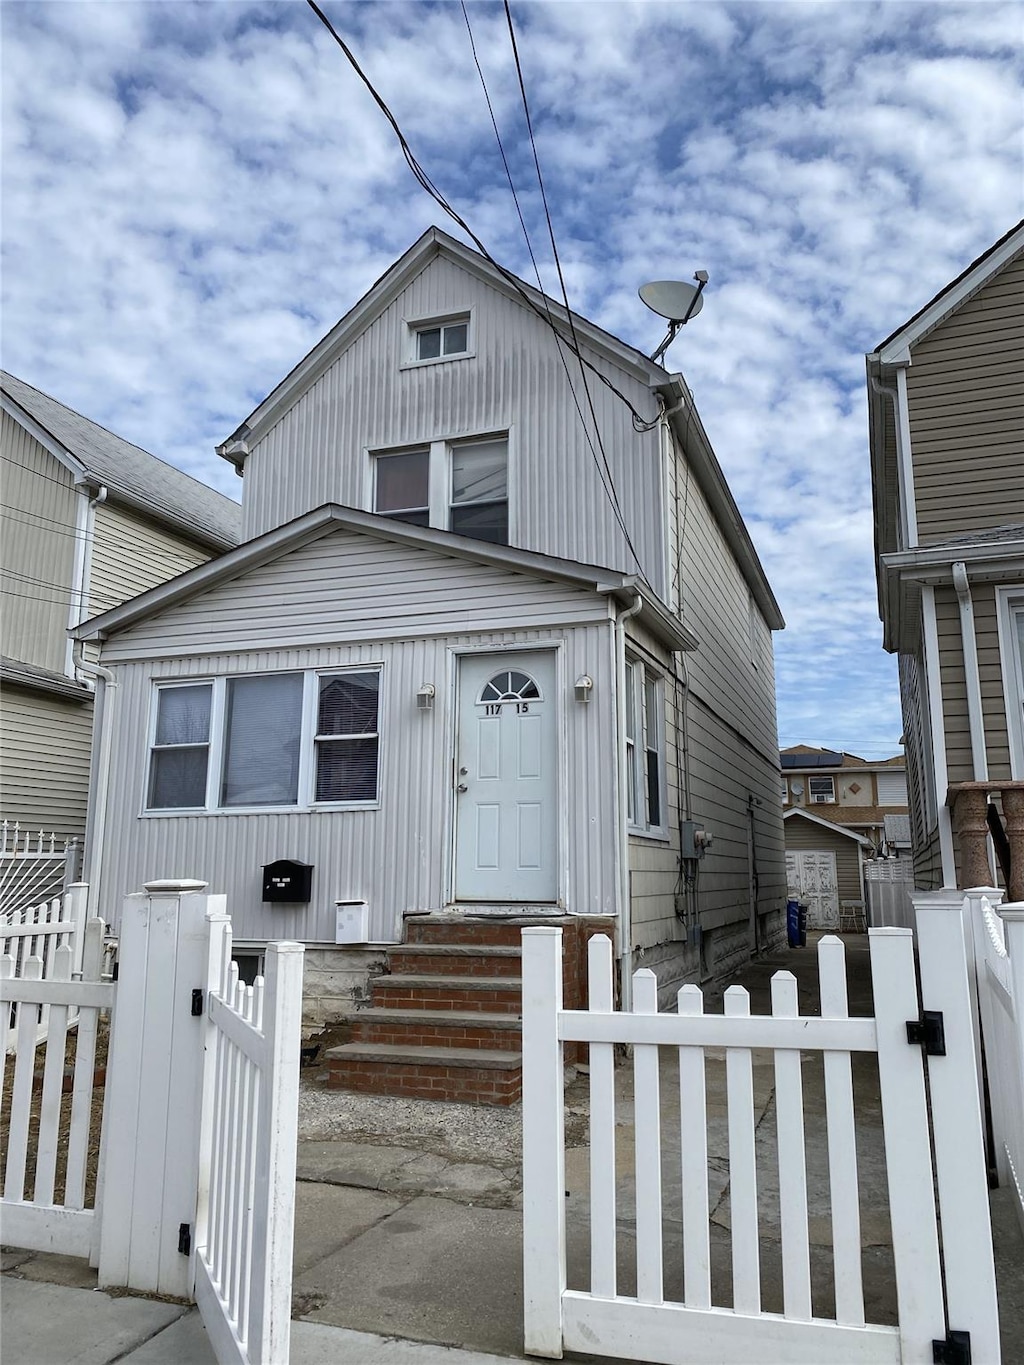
821, 798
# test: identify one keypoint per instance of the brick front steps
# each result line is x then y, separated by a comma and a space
444, 1018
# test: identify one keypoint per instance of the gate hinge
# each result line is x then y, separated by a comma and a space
185, 1244
929, 1030
955, 1350
197, 1004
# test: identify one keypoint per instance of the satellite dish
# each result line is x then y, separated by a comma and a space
672, 299
675, 300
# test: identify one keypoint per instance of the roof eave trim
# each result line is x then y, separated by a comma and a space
46, 439
895, 350
314, 524
825, 824
700, 453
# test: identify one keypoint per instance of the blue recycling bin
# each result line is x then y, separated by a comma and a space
793, 923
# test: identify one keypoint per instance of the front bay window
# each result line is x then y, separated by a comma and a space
273, 740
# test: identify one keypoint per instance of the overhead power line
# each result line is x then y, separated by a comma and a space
600, 462
640, 422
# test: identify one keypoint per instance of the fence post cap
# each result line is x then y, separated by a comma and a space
174, 885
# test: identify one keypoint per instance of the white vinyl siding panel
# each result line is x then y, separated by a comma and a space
724, 771
349, 586
966, 395
46, 742
130, 554
37, 546
515, 382
395, 857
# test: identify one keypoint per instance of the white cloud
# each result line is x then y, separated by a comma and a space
194, 193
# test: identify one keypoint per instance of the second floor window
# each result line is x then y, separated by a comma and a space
821, 789
459, 486
446, 339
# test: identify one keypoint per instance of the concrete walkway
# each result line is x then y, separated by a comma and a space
406, 1253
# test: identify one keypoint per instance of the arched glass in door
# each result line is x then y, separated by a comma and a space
510, 685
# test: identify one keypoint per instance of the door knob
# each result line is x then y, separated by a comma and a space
462, 787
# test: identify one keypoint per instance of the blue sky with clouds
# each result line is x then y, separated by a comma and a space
194, 192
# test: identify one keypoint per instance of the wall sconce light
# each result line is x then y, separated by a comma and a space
584, 687
425, 697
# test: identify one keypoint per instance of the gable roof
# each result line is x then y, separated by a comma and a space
799, 811
132, 475
624, 588
434, 242
671, 387
896, 347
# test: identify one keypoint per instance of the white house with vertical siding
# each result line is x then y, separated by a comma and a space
88, 520
444, 670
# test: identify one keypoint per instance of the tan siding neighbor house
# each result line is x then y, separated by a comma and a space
947, 447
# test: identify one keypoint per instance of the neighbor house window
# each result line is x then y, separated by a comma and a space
276, 740
1010, 612
459, 486
645, 749
784, 789
821, 789
443, 341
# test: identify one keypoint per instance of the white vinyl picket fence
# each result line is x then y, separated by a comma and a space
34, 865
196, 1167
53, 1217
36, 932
646, 1325
998, 932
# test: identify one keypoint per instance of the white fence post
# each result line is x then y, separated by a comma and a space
1013, 932
76, 900
154, 1089
543, 1143
957, 1130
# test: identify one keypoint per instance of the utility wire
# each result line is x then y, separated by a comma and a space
640, 422
604, 473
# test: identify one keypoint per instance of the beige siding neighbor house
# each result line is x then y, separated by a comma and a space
946, 406
88, 520
838, 811
446, 672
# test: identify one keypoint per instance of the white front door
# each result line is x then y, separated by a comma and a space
814, 875
506, 814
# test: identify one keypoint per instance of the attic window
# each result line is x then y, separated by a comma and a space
441, 340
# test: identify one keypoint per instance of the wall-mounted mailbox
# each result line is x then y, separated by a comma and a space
288, 880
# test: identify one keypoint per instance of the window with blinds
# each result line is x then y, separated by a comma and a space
272, 740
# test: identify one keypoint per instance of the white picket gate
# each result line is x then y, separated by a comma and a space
246, 1213
645, 1326
196, 1168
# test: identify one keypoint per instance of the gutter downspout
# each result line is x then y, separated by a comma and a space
99, 775
81, 570
972, 676
937, 728
625, 908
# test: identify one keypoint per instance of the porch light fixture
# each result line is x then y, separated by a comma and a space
584, 687
425, 697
